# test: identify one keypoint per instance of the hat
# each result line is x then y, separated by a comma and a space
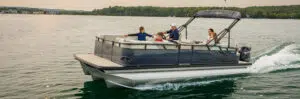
173, 24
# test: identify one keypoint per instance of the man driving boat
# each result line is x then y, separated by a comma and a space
173, 32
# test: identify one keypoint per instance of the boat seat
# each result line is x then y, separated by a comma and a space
136, 44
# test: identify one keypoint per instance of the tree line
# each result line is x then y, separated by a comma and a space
27, 10
273, 12
282, 12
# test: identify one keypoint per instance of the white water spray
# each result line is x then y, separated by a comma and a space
278, 61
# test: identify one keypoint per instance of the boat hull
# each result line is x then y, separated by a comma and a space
136, 77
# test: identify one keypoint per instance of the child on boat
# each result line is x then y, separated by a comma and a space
141, 35
159, 37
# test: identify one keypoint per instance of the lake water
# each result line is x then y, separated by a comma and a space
36, 58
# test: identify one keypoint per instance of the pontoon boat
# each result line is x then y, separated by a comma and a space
127, 62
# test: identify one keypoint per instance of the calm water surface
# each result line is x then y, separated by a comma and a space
36, 58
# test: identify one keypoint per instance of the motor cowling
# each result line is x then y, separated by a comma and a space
245, 54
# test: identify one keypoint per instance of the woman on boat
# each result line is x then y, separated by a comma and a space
141, 35
212, 35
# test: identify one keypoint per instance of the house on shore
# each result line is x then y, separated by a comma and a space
38, 12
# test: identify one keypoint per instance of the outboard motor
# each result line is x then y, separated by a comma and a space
245, 54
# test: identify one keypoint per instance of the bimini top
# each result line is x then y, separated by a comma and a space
219, 14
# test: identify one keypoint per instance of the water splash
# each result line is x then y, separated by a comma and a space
285, 58
270, 51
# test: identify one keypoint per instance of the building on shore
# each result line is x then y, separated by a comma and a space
38, 12
51, 12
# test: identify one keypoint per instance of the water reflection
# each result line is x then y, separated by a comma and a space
217, 89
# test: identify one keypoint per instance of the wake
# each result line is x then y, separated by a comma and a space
285, 58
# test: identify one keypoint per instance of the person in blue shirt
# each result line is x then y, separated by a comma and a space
173, 33
141, 35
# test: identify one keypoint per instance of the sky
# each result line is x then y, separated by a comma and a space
98, 4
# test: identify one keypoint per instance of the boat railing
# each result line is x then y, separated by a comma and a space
165, 46
107, 48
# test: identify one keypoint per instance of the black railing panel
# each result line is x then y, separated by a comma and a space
129, 54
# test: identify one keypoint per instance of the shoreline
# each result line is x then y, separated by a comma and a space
138, 16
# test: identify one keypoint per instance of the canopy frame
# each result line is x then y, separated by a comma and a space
234, 15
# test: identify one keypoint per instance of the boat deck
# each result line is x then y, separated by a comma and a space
96, 61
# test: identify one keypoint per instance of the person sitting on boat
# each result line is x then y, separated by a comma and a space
160, 37
141, 35
212, 35
173, 32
